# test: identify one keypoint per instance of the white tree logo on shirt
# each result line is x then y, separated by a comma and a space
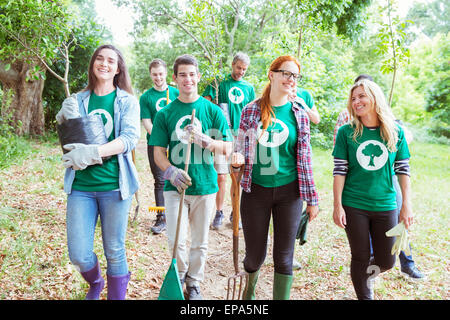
158, 104
184, 121
276, 136
372, 155
236, 95
109, 121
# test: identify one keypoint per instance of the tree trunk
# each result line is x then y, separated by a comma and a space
299, 44
391, 93
26, 104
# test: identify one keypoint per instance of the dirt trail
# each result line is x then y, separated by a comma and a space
39, 198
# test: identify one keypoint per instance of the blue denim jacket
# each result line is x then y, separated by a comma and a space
127, 129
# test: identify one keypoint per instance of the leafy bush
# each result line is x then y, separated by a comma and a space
437, 99
11, 146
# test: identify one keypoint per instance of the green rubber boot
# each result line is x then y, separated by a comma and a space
282, 284
249, 293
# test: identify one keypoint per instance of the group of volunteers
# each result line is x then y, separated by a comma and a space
264, 140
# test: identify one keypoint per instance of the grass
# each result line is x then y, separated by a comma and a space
34, 262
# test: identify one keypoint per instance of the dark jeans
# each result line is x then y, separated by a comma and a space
284, 205
362, 226
157, 176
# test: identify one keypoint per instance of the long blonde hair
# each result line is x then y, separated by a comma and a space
388, 128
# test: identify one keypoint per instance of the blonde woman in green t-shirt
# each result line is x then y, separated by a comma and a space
368, 152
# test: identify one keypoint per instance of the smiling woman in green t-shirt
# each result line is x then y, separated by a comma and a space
368, 152
273, 147
100, 180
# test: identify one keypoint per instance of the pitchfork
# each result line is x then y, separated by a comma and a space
239, 279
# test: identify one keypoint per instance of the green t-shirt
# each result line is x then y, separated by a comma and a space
306, 96
237, 94
369, 180
153, 100
276, 153
98, 177
168, 132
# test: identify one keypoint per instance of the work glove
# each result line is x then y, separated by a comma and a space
401, 242
81, 155
69, 109
302, 102
302, 228
178, 178
196, 136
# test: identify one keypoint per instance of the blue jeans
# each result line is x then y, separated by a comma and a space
83, 210
406, 262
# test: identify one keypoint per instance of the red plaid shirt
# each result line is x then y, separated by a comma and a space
343, 118
246, 144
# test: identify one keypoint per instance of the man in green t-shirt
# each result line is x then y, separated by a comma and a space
172, 130
153, 100
234, 93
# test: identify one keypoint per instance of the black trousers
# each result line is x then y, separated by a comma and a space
361, 225
284, 205
157, 176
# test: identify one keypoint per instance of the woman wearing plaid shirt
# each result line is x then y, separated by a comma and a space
273, 145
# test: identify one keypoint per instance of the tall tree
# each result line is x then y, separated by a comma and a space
392, 45
88, 35
32, 34
215, 27
308, 16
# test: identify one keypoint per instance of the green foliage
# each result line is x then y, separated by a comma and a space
437, 99
424, 88
347, 15
11, 146
149, 45
87, 34
352, 22
392, 42
30, 28
430, 18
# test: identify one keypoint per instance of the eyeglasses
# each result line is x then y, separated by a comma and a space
287, 75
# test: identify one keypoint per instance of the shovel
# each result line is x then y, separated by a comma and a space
171, 288
239, 280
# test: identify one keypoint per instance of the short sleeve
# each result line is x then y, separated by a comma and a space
209, 91
402, 146
340, 150
144, 107
160, 136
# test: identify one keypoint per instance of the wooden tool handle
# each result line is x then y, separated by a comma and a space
180, 208
235, 204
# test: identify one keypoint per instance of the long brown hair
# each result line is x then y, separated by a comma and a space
266, 108
121, 80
